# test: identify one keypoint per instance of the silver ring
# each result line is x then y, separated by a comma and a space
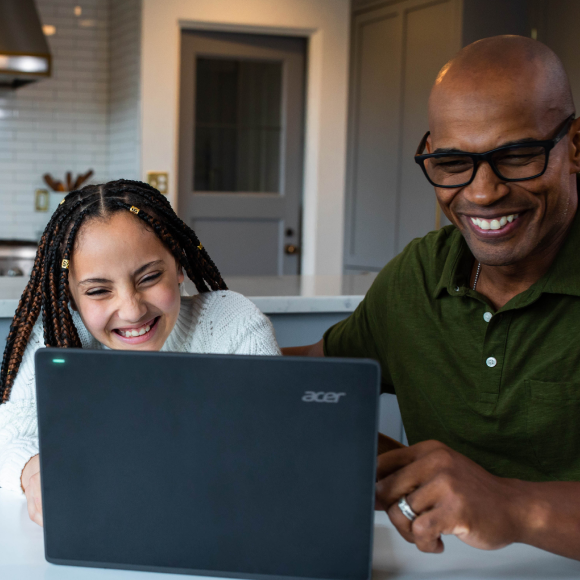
406, 509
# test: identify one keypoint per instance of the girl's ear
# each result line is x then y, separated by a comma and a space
180, 276
73, 303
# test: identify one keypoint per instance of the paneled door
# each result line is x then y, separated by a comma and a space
241, 148
397, 50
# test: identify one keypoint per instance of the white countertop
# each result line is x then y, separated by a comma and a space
271, 294
22, 556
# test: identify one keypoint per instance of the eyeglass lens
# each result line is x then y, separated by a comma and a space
517, 163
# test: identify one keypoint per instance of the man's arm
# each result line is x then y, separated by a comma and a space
453, 495
316, 349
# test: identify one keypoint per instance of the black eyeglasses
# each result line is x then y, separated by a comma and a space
516, 162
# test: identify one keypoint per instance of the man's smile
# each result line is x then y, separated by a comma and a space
496, 226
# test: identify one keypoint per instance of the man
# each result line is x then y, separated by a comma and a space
476, 326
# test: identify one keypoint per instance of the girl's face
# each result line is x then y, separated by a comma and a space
124, 283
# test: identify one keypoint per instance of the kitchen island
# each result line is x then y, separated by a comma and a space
301, 308
393, 557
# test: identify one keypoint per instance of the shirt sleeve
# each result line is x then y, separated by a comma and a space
18, 421
363, 333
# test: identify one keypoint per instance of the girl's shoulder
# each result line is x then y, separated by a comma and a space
221, 307
211, 321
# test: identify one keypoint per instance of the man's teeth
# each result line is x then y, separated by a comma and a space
135, 332
494, 224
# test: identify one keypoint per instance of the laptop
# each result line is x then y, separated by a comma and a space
230, 466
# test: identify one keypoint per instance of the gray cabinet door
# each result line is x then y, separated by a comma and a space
397, 51
241, 148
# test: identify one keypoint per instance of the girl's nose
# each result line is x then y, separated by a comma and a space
131, 308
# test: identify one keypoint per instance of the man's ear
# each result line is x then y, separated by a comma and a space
575, 147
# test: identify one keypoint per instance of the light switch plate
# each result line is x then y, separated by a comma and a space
159, 180
41, 200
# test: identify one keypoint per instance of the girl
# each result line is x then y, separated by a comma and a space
108, 274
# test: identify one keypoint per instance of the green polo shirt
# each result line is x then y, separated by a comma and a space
503, 387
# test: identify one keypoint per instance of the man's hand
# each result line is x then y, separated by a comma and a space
450, 495
30, 479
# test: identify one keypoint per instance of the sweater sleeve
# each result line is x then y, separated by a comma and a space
242, 327
18, 422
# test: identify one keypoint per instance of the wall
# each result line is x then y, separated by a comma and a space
125, 89
56, 124
483, 18
558, 29
326, 24
397, 50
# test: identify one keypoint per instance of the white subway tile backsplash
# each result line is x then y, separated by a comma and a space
87, 115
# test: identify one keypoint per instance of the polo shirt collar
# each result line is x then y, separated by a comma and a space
563, 277
457, 267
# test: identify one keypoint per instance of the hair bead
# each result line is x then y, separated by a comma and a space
134, 209
65, 264
200, 247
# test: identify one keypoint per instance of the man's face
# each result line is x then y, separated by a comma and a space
536, 212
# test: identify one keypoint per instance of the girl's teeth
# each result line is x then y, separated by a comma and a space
494, 225
132, 333
503, 221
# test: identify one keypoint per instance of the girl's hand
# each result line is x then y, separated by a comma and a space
30, 479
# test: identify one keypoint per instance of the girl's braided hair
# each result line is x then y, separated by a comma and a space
47, 288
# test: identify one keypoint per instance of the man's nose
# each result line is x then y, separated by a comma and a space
131, 308
487, 187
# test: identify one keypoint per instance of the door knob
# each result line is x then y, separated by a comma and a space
291, 249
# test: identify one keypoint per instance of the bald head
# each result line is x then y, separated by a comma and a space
508, 70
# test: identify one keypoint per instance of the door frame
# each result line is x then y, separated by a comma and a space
287, 202
325, 25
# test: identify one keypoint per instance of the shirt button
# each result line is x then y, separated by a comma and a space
491, 362
487, 316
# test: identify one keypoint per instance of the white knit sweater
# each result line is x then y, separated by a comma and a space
221, 322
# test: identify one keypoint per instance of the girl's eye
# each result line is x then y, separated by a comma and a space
96, 292
151, 278
145, 280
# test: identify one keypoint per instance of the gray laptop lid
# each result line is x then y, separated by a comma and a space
207, 464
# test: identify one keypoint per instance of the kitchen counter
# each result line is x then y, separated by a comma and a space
393, 557
271, 294
301, 309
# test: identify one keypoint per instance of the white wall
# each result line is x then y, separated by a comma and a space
55, 124
326, 24
124, 89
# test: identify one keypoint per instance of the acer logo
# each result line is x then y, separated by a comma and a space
322, 397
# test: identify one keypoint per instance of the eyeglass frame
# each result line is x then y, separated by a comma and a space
476, 158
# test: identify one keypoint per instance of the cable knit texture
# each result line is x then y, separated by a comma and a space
221, 322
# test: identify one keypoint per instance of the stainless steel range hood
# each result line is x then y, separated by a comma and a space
24, 53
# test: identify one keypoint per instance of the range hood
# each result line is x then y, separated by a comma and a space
24, 54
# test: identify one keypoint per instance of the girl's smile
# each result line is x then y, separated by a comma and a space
139, 334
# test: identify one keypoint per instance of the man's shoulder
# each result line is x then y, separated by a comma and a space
421, 261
